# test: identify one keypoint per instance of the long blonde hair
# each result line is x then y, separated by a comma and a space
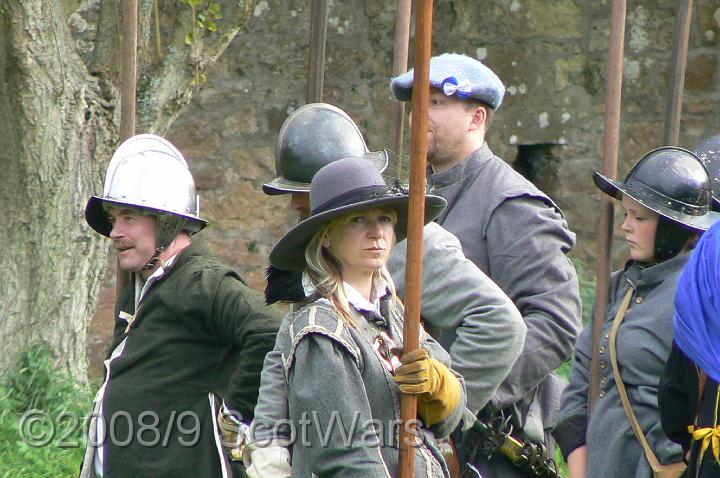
325, 271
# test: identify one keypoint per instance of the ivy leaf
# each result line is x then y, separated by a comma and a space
212, 26
199, 79
214, 8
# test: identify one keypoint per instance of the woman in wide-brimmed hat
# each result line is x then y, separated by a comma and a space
666, 198
342, 352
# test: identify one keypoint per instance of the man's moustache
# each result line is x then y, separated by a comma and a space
121, 245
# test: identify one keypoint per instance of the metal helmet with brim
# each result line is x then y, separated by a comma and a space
708, 151
670, 181
313, 136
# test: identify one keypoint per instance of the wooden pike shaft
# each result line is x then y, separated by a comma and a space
413, 271
677, 84
316, 64
400, 61
611, 139
128, 86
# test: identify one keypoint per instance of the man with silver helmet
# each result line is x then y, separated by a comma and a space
456, 296
188, 329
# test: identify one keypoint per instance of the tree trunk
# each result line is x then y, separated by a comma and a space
54, 124
58, 128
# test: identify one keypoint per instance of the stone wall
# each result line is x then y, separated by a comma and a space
551, 56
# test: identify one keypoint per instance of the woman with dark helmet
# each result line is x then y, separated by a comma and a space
689, 397
342, 353
666, 198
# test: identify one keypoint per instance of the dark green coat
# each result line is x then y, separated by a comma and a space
200, 330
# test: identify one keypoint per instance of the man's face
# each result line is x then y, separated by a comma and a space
449, 126
300, 202
133, 236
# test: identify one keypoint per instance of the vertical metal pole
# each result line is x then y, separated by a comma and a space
611, 140
400, 60
128, 85
413, 271
677, 81
316, 63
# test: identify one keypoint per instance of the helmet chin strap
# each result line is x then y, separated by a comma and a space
168, 227
154, 260
670, 239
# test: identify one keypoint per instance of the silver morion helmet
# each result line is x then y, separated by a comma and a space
149, 173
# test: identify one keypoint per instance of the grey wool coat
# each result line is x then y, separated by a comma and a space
343, 400
462, 302
517, 236
643, 344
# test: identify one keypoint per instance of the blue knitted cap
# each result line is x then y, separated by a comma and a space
456, 74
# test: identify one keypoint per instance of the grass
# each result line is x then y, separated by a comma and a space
53, 446
587, 289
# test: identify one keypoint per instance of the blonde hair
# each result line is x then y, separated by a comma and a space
325, 271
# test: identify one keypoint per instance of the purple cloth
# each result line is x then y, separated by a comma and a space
697, 303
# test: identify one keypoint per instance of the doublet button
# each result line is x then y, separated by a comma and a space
602, 349
638, 300
603, 364
602, 393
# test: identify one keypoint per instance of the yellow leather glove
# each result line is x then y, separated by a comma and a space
438, 390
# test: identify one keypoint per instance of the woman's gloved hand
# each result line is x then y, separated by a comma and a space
438, 390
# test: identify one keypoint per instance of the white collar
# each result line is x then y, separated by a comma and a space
142, 287
354, 297
361, 304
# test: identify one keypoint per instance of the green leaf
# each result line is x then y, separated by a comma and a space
212, 26
189, 39
214, 8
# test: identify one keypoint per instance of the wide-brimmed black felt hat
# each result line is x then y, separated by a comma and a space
345, 186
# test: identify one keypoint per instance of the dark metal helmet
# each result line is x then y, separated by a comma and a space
672, 182
313, 136
709, 153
